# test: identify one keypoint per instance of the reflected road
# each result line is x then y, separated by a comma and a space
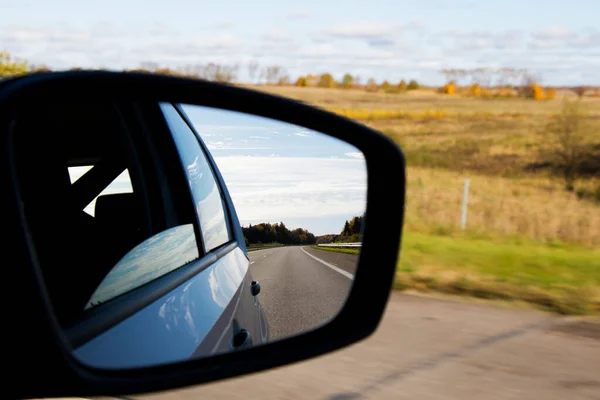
299, 292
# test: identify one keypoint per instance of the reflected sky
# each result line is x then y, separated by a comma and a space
281, 172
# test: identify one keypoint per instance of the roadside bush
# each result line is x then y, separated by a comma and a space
564, 147
413, 85
473, 90
371, 85
301, 82
326, 81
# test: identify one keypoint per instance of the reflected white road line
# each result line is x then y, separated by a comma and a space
333, 267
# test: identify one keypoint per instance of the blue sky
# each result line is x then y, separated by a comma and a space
558, 40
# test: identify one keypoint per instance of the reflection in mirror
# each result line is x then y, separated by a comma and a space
234, 231
300, 197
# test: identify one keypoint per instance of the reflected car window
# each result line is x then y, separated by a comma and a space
203, 186
151, 259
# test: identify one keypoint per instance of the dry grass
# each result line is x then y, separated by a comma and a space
420, 100
494, 142
534, 208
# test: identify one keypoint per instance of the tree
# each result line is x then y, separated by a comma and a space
474, 90
347, 81
579, 91
402, 86
301, 81
564, 142
449, 88
413, 85
272, 73
10, 66
276, 233
371, 85
352, 230
386, 86
326, 81
252, 68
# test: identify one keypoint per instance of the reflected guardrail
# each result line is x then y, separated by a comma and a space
355, 244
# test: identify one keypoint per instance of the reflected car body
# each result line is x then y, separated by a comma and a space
198, 318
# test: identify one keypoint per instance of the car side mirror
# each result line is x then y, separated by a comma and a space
99, 331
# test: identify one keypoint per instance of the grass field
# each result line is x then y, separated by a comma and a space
527, 238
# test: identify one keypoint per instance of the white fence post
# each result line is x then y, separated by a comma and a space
465, 202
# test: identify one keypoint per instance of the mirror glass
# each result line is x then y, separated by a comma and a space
166, 232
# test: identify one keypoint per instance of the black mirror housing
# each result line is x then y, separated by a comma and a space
38, 353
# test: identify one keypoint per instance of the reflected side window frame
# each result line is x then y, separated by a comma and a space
214, 176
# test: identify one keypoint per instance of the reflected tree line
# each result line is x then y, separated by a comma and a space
265, 232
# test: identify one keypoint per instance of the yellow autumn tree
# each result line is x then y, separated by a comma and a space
301, 81
473, 90
402, 86
538, 92
326, 81
449, 88
11, 67
385, 86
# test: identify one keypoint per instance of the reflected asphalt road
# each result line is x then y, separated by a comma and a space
301, 287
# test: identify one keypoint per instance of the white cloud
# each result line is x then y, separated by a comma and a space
299, 14
275, 188
363, 30
277, 35
555, 37
355, 155
554, 33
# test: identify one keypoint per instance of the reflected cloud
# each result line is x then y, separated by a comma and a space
296, 188
356, 155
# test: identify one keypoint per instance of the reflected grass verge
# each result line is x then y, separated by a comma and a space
254, 247
337, 250
564, 279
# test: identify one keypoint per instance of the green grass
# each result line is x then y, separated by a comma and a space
555, 277
338, 249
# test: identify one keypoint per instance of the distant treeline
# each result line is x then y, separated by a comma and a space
349, 234
476, 81
276, 233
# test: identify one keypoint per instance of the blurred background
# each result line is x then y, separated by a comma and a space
497, 108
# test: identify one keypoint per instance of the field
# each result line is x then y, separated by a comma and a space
527, 238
